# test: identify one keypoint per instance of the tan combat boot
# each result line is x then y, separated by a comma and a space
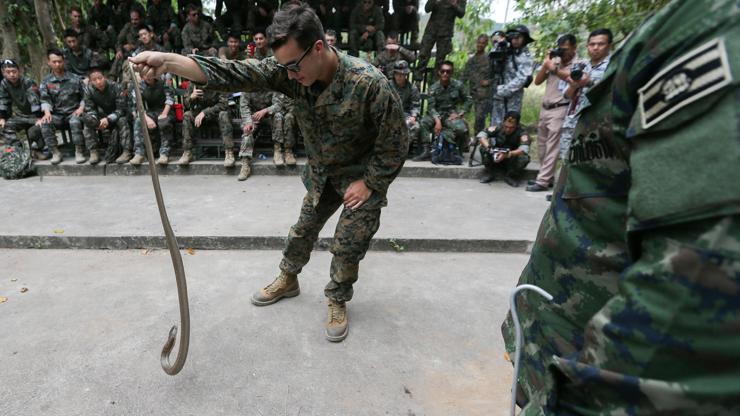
56, 156
277, 156
284, 286
125, 157
337, 324
229, 160
38, 155
94, 158
246, 169
186, 158
137, 160
289, 157
80, 154
163, 160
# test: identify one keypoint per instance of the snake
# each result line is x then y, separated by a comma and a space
168, 366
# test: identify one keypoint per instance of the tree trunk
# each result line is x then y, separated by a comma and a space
43, 15
7, 31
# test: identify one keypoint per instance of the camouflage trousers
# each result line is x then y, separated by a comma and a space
414, 131
16, 124
501, 106
188, 127
512, 167
374, 42
452, 130
120, 127
164, 127
482, 110
444, 47
274, 123
48, 130
289, 131
352, 237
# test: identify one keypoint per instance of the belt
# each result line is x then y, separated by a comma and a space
551, 106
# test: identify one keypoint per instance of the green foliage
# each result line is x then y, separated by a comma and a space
552, 18
467, 30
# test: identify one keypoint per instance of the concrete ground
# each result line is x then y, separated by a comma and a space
85, 337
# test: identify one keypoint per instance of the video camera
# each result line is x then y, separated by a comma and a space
577, 72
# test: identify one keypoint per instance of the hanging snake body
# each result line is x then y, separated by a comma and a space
182, 289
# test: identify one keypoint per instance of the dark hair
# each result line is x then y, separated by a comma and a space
234, 35
9, 63
513, 114
392, 35
259, 30
568, 37
331, 32
54, 51
137, 11
603, 31
75, 9
192, 7
70, 32
297, 21
482, 36
144, 26
95, 69
448, 63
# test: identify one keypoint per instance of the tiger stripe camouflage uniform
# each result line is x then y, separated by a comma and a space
111, 104
20, 107
641, 252
353, 129
62, 96
155, 98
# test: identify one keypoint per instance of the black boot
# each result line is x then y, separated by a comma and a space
425, 155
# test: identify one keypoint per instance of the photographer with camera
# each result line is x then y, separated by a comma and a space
504, 151
511, 71
556, 71
583, 77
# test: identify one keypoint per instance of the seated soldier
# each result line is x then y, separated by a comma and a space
106, 112
62, 101
197, 35
261, 13
366, 26
410, 98
146, 36
262, 49
233, 49
331, 38
284, 134
126, 42
161, 18
202, 106
158, 99
504, 151
258, 110
225, 124
78, 59
392, 53
88, 35
406, 15
20, 107
443, 112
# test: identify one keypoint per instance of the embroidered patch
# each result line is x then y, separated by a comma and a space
692, 76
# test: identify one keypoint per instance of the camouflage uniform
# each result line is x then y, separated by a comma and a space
352, 129
200, 37
62, 96
287, 137
224, 53
212, 103
441, 103
439, 30
162, 18
512, 167
407, 21
127, 35
385, 59
509, 89
260, 54
111, 104
641, 253
477, 72
20, 107
155, 98
357, 22
80, 64
93, 38
252, 102
411, 101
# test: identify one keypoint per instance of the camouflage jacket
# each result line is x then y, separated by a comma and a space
641, 253
110, 103
385, 60
258, 54
224, 53
100, 17
91, 37
155, 97
251, 102
161, 17
410, 98
19, 100
477, 69
200, 37
127, 35
518, 68
210, 104
62, 96
154, 46
443, 14
354, 128
80, 64
443, 101
359, 18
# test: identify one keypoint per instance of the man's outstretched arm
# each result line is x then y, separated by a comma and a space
161, 62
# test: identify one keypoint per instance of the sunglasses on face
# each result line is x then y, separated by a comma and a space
295, 66
445, 71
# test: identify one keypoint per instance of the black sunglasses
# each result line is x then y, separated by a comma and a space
445, 71
295, 66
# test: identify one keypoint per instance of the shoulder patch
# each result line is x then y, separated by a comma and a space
690, 77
